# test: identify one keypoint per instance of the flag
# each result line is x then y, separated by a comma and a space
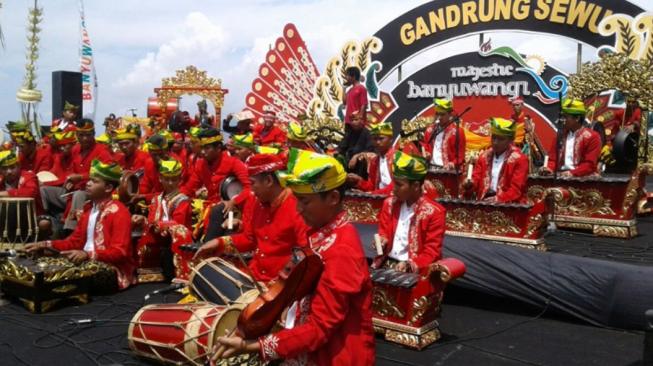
87, 68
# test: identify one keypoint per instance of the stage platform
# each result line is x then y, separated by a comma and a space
493, 316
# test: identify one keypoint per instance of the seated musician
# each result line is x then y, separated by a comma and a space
243, 146
500, 172
409, 215
332, 325
269, 134
444, 144
103, 233
131, 158
273, 229
150, 183
167, 209
579, 150
17, 182
297, 137
209, 172
379, 167
32, 156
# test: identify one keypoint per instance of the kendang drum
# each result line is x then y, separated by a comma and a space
217, 281
180, 333
18, 225
154, 108
230, 188
128, 186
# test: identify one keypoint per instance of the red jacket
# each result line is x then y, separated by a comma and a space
271, 232
212, 176
111, 238
333, 326
41, 160
448, 144
82, 160
371, 185
179, 210
356, 100
425, 233
141, 160
62, 167
511, 186
28, 187
587, 149
275, 136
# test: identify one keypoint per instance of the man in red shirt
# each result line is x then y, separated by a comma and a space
274, 228
500, 172
209, 172
439, 143
32, 157
356, 97
67, 122
133, 159
333, 324
269, 134
17, 182
103, 233
379, 166
580, 147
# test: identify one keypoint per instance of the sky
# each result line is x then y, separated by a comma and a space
137, 43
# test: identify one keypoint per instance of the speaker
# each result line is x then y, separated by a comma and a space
66, 87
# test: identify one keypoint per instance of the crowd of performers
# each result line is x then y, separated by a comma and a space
292, 196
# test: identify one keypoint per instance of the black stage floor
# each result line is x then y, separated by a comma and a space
478, 329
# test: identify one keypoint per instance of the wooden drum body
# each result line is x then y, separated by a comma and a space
180, 333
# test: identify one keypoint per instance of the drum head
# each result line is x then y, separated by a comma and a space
227, 322
230, 188
218, 281
46, 177
625, 147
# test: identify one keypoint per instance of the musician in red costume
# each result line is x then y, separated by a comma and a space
167, 212
150, 184
243, 146
580, 147
274, 228
17, 182
444, 144
332, 325
102, 233
32, 156
269, 134
131, 158
379, 163
500, 172
411, 225
67, 122
208, 173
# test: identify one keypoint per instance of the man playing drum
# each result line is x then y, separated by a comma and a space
332, 325
102, 233
411, 225
579, 150
17, 182
500, 172
273, 227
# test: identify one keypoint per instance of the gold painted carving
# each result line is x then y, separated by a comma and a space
385, 305
477, 221
359, 210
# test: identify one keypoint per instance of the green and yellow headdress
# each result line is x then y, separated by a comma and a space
168, 136
110, 172
156, 143
131, 132
267, 150
194, 133
409, 167
65, 137
296, 132
104, 139
573, 107
209, 136
20, 131
381, 128
8, 158
503, 127
246, 140
170, 168
310, 172
70, 107
443, 105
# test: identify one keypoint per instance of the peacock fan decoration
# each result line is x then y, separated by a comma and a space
28, 95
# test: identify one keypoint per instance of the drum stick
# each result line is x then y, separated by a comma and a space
546, 161
377, 244
470, 170
230, 220
67, 194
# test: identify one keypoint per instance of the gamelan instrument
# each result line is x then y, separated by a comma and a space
230, 188
405, 306
363, 207
180, 333
446, 182
154, 107
42, 282
18, 223
218, 281
605, 205
625, 147
128, 186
